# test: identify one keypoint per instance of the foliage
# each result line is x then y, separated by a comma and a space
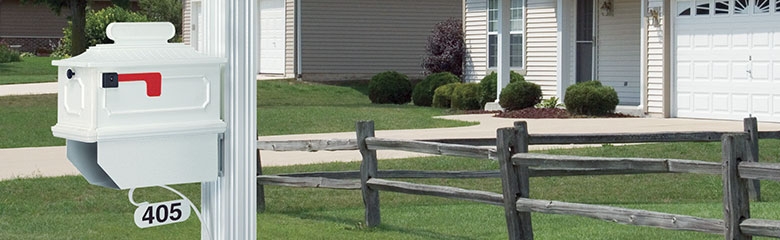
591, 98
390, 87
445, 50
424, 90
519, 95
549, 103
9, 55
95, 28
163, 11
466, 97
442, 96
488, 85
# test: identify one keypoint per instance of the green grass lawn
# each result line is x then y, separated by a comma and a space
284, 107
70, 208
29, 70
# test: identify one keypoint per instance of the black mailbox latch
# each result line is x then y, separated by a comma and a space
110, 80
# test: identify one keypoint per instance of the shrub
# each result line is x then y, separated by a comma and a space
591, 98
390, 87
442, 96
489, 83
423, 91
519, 95
446, 49
95, 28
9, 55
466, 97
163, 11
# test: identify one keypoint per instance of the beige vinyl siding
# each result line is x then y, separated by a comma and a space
542, 45
655, 68
619, 51
475, 28
344, 39
186, 24
289, 38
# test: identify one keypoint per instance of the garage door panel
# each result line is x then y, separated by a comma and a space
739, 104
761, 104
701, 102
720, 71
760, 71
727, 60
720, 103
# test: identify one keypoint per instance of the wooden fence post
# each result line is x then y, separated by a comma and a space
513, 181
368, 170
260, 188
736, 204
751, 128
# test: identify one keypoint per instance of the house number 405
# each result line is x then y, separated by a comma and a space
156, 214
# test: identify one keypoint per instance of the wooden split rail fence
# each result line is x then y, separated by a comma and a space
517, 166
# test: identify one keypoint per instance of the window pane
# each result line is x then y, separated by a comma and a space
516, 50
702, 7
585, 20
492, 16
492, 50
516, 18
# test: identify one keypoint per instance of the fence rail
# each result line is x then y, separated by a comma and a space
517, 166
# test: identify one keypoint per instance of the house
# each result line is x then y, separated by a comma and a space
35, 28
29, 27
715, 59
334, 40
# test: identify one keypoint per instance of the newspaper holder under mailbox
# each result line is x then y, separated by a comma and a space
141, 112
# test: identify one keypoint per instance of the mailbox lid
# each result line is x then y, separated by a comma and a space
139, 44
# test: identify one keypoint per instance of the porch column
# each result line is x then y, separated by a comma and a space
503, 45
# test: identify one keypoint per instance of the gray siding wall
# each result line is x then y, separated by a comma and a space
346, 39
542, 45
655, 67
475, 28
619, 47
289, 38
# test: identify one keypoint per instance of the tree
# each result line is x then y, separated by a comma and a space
163, 11
445, 50
78, 17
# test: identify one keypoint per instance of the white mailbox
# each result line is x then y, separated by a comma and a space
141, 112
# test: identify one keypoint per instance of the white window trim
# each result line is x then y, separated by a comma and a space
521, 32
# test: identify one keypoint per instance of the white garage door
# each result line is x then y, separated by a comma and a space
728, 59
272, 25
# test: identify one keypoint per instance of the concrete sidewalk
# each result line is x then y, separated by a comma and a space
28, 89
51, 161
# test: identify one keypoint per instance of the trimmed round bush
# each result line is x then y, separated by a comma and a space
489, 83
466, 97
95, 28
442, 96
9, 55
390, 87
519, 95
423, 91
591, 98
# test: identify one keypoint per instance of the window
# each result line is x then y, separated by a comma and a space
516, 25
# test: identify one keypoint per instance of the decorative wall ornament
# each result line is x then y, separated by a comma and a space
606, 8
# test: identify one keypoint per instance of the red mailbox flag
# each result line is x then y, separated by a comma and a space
153, 81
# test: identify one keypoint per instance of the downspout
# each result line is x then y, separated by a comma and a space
560, 41
667, 32
297, 30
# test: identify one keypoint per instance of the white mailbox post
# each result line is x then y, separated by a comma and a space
141, 112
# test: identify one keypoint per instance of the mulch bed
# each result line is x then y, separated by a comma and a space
543, 113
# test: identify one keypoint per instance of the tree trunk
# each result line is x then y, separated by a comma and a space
78, 38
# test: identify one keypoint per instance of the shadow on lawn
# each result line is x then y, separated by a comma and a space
358, 225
